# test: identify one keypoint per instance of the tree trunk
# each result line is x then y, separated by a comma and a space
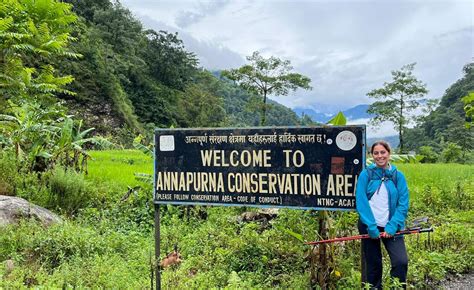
400, 129
401, 140
264, 109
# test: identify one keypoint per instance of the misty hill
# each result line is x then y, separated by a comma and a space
392, 140
315, 115
324, 114
358, 112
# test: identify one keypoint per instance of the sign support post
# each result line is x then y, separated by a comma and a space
157, 247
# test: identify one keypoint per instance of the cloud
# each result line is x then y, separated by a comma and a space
210, 54
202, 10
466, 31
186, 18
384, 129
347, 48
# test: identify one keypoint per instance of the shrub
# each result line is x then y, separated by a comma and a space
71, 255
452, 153
69, 191
428, 154
64, 242
8, 171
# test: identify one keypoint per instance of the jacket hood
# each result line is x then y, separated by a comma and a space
388, 172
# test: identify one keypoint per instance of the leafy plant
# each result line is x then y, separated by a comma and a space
427, 154
451, 153
32, 35
469, 109
69, 191
70, 148
29, 131
43, 136
147, 150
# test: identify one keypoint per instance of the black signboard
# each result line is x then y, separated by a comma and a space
296, 167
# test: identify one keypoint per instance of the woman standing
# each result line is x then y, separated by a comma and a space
382, 203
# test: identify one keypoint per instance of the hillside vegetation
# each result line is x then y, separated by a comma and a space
444, 128
131, 79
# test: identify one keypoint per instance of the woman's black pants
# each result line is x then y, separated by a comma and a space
372, 258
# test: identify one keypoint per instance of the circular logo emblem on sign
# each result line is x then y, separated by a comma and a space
346, 140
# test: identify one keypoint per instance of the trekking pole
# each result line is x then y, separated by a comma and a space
409, 231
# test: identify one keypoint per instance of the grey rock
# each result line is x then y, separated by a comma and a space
13, 209
265, 214
9, 266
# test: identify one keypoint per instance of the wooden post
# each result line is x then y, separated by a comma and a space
319, 260
157, 247
323, 273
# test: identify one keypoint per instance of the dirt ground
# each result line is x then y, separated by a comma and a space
466, 281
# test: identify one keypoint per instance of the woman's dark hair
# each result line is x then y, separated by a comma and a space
381, 142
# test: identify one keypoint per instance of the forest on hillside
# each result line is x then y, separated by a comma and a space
124, 80
445, 127
136, 79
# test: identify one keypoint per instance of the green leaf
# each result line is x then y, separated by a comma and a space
66, 132
44, 154
144, 177
139, 146
297, 236
338, 120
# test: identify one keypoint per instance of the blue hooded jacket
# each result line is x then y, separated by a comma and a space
397, 196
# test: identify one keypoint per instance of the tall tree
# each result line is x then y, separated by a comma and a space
168, 60
397, 99
268, 76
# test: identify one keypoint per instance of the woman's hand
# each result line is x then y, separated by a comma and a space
385, 235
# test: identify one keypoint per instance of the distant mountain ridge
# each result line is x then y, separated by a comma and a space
393, 141
357, 112
324, 115
314, 115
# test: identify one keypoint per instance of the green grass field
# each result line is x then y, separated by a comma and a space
441, 176
119, 166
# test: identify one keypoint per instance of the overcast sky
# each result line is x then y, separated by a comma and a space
347, 48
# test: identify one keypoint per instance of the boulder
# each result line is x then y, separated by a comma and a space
12, 209
9, 267
265, 214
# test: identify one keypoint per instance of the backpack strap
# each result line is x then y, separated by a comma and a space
370, 173
394, 177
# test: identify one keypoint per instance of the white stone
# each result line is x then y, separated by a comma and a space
13, 209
